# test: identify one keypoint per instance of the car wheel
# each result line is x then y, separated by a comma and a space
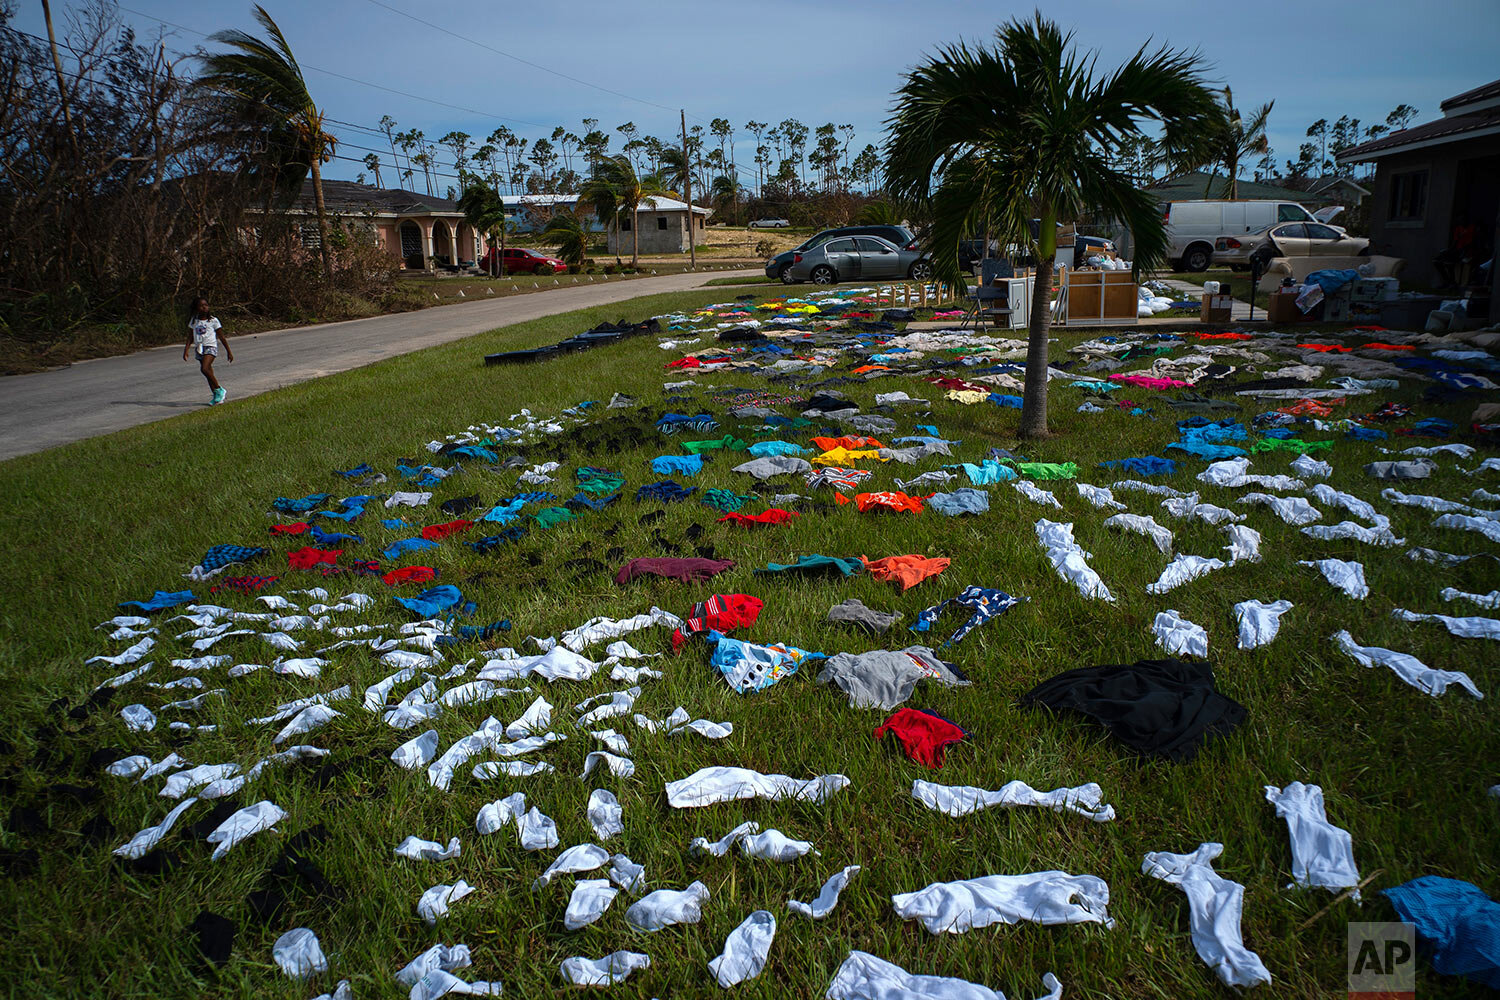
1197, 258
823, 275
785, 275
920, 271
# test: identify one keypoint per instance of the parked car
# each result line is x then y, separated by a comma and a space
1290, 239
1193, 227
858, 258
519, 260
776, 267
970, 251
770, 224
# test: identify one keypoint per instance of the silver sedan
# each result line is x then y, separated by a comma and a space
858, 258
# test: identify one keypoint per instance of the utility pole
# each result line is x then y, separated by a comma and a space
62, 90
688, 172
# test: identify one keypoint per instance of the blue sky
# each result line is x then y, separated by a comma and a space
817, 61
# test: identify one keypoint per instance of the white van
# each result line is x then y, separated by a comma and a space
1192, 226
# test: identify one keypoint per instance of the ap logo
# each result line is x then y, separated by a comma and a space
1382, 961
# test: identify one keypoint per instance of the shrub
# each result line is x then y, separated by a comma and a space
765, 248
575, 268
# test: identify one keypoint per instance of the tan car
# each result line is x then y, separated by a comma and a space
1289, 239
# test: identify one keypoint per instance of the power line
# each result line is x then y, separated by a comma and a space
526, 62
351, 79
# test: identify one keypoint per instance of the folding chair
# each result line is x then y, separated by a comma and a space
989, 300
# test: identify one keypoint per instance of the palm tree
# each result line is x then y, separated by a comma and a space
373, 162
1236, 139
1024, 129
673, 172
615, 187
267, 92
725, 192
485, 211
878, 213
572, 240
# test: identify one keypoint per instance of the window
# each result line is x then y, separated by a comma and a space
661, 222
1291, 213
868, 245
1296, 231
839, 246
624, 223
1408, 196
1318, 231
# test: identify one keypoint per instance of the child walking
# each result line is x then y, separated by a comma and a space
204, 334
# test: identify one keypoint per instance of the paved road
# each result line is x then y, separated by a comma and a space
50, 408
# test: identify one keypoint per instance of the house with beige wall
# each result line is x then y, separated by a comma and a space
419, 230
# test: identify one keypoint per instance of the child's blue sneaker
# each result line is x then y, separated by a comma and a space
219, 395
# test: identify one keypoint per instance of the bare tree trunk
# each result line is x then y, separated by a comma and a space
317, 179
1034, 402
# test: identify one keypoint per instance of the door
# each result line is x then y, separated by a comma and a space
877, 258
843, 257
1325, 241
1291, 239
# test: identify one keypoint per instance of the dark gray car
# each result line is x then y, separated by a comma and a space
777, 267
858, 258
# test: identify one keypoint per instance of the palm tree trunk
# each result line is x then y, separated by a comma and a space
635, 236
1034, 401
317, 179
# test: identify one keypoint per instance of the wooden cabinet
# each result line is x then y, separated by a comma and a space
1093, 298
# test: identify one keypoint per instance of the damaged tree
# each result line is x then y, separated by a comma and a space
999, 135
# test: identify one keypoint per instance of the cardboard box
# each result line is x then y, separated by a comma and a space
1217, 309
1374, 289
1283, 307
1336, 306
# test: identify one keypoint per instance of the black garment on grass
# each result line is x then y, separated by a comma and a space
1167, 708
215, 936
460, 505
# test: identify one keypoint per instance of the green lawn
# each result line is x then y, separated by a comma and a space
759, 279
117, 517
1237, 283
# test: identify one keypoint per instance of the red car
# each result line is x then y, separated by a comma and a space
518, 260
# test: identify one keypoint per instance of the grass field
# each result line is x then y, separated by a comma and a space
1235, 283
115, 518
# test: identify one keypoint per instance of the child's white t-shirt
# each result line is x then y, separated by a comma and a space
205, 333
